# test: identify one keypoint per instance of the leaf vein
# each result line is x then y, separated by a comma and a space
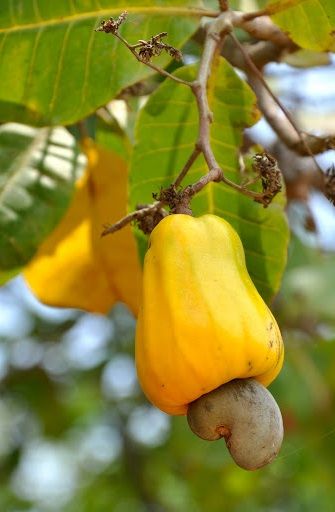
140, 156
86, 70
31, 66
59, 68
37, 11
69, 19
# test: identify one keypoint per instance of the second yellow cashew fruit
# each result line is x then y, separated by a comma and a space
202, 322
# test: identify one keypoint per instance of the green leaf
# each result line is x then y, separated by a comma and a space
309, 23
55, 69
38, 168
166, 133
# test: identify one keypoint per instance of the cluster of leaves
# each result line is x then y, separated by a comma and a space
98, 68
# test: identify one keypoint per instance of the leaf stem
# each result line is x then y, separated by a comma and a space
194, 155
218, 30
131, 217
159, 70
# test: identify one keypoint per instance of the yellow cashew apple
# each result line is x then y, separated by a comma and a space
202, 322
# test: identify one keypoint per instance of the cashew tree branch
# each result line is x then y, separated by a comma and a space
258, 25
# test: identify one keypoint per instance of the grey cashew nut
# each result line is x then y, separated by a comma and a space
245, 413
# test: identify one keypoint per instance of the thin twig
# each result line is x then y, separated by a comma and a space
286, 113
131, 217
159, 70
214, 175
284, 128
263, 28
194, 155
213, 43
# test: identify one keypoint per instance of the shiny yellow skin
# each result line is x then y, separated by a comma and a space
202, 322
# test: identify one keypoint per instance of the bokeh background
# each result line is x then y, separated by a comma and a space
76, 433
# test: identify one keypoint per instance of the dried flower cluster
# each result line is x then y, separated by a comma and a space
155, 46
149, 221
112, 25
144, 50
266, 166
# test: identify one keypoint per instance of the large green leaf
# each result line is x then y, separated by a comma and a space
166, 133
38, 168
55, 69
309, 23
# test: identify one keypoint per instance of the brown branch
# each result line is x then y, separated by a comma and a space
194, 155
214, 39
272, 41
214, 175
282, 126
263, 28
137, 215
257, 55
179, 201
249, 16
218, 30
256, 72
261, 52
